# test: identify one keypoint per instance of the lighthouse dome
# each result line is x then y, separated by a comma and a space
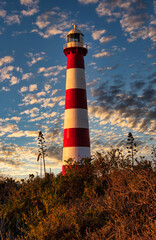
75, 30
75, 35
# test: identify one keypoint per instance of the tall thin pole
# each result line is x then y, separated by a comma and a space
44, 164
42, 151
41, 167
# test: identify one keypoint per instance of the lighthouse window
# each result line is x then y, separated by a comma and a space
73, 38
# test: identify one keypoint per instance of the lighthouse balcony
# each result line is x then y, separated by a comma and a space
75, 44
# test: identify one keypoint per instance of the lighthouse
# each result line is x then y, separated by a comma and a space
76, 142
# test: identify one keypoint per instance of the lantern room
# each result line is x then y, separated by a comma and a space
75, 35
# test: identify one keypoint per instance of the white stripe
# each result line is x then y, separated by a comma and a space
75, 78
76, 153
76, 118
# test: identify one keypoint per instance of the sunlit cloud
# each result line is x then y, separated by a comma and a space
28, 2
12, 19
53, 23
3, 13
88, 1
7, 128
26, 76
6, 60
106, 39
32, 87
103, 53
51, 71
35, 57
97, 34
47, 87
5, 89
14, 80
23, 89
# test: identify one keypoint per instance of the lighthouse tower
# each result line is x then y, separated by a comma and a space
76, 143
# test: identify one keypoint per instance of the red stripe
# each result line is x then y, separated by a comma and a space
76, 137
76, 98
75, 60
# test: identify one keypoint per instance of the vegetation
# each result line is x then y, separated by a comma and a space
131, 146
104, 198
42, 151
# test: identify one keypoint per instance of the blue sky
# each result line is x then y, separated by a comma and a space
120, 76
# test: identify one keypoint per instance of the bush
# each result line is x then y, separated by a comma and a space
103, 198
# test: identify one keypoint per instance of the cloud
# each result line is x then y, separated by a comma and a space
32, 7
88, 1
134, 25
153, 21
32, 87
32, 112
52, 23
52, 31
108, 68
55, 91
23, 89
28, 2
39, 94
106, 39
97, 34
6, 60
152, 33
35, 57
5, 89
31, 99
51, 71
30, 12
54, 135
45, 19
12, 19
2, 13
47, 87
134, 20
93, 82
17, 134
26, 76
14, 80
43, 115
5, 73
17, 119
125, 109
15, 156
154, 3
31, 133
106, 7
103, 53
9, 127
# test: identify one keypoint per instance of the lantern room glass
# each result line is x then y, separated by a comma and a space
75, 37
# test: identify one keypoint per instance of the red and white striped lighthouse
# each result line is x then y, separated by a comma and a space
76, 143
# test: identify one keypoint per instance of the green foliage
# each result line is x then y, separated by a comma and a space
102, 198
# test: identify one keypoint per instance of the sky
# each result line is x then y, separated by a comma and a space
120, 70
